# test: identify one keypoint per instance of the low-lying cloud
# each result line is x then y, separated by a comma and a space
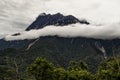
71, 31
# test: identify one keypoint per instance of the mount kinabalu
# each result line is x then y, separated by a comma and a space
42, 21
61, 50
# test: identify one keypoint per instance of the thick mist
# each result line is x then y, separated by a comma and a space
74, 30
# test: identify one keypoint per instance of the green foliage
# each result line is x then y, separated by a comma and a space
109, 69
60, 74
41, 69
80, 65
80, 75
79, 71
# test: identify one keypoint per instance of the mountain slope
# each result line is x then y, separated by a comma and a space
57, 49
62, 50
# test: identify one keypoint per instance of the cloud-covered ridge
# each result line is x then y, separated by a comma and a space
74, 30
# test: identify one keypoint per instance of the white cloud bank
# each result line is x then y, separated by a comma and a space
16, 15
75, 30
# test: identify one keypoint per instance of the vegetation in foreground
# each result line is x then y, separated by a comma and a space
42, 69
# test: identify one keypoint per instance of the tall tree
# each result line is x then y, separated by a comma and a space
41, 69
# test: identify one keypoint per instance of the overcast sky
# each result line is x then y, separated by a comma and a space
16, 15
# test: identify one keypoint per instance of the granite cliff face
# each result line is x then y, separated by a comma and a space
56, 19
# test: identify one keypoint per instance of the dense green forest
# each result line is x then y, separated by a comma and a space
42, 69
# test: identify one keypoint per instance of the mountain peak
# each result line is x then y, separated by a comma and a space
56, 19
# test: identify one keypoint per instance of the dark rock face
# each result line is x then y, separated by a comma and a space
16, 34
56, 19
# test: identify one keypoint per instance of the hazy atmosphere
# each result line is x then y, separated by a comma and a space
16, 16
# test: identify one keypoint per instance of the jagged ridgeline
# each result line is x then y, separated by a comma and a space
56, 19
57, 49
